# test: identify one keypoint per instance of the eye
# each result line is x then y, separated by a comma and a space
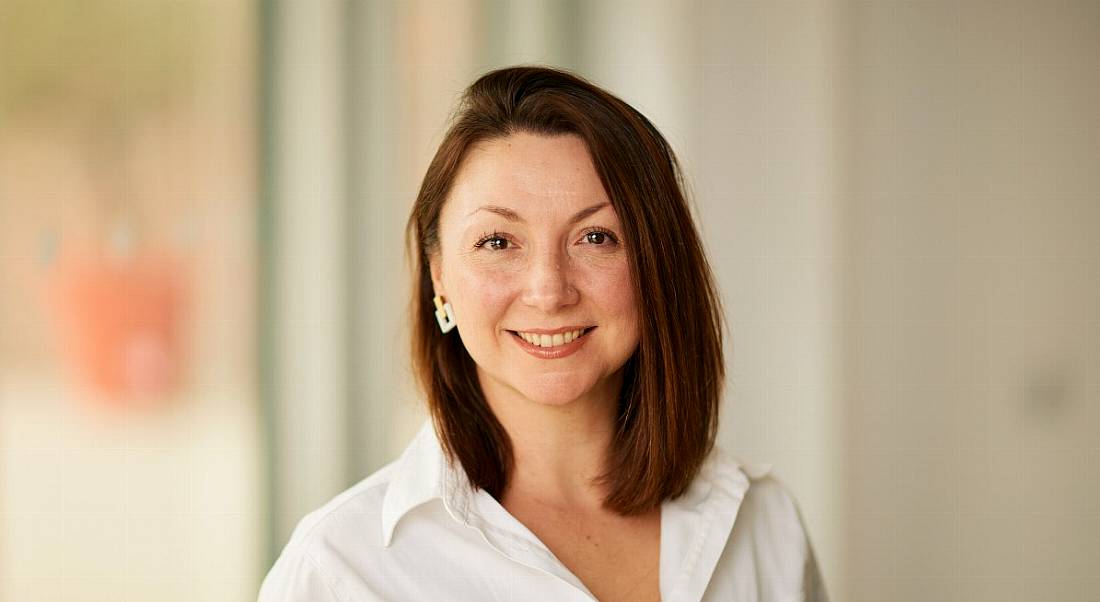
599, 237
495, 241
596, 238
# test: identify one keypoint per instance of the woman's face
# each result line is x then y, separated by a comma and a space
531, 251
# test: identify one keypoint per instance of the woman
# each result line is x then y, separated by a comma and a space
568, 337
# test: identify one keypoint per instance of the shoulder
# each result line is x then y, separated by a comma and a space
769, 544
346, 549
723, 461
767, 503
349, 523
361, 503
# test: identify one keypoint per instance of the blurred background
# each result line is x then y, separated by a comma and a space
203, 287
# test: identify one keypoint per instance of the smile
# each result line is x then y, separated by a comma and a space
552, 340
552, 346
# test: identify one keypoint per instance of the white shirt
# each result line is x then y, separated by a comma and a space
415, 530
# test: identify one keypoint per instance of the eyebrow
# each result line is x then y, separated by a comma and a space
512, 216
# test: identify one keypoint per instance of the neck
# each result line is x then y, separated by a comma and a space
557, 450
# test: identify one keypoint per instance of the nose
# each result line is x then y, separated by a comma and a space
549, 285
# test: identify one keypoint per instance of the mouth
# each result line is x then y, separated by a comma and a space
550, 340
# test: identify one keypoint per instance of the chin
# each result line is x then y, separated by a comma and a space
555, 392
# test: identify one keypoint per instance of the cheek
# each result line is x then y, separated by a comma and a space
620, 293
612, 289
482, 295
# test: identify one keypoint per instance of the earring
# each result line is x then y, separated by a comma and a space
444, 314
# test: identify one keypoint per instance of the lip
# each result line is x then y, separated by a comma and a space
552, 353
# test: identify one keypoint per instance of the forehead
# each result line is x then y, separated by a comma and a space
536, 175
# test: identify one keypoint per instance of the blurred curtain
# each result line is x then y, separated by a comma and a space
130, 447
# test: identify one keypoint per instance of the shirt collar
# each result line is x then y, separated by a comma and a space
417, 479
423, 474
696, 526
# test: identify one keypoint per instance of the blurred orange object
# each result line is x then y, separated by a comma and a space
120, 322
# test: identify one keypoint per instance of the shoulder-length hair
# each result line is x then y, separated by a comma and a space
672, 384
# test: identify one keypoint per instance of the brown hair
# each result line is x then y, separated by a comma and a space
672, 384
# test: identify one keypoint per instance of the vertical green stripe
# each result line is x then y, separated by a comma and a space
569, 48
495, 17
492, 21
354, 108
266, 240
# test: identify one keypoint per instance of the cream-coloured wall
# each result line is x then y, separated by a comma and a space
765, 149
974, 302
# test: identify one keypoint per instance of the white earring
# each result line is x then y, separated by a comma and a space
444, 314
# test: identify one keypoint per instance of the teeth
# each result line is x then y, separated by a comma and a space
546, 340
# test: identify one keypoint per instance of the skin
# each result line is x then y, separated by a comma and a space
546, 270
